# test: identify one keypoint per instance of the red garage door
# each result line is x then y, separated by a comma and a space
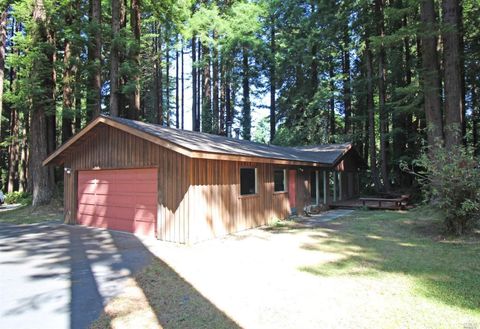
124, 200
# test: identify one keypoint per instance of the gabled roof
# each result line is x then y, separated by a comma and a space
208, 146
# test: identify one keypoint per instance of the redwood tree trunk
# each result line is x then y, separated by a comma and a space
3, 40
216, 91
41, 103
68, 75
135, 22
95, 60
453, 73
371, 117
206, 92
347, 97
177, 95
182, 107
430, 74
382, 95
333, 127
117, 19
13, 152
246, 109
194, 86
273, 91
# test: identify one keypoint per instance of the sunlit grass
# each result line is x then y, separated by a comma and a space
408, 263
30, 215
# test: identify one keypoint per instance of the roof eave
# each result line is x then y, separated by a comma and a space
57, 156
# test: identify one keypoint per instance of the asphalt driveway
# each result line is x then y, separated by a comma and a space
59, 276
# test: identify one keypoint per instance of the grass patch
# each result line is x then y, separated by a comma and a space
26, 214
410, 250
163, 297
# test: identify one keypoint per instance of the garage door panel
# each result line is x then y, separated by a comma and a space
124, 200
87, 199
87, 187
144, 187
146, 200
87, 209
145, 215
114, 200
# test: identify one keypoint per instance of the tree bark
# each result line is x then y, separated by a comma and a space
158, 85
382, 95
347, 97
94, 92
41, 103
273, 90
223, 81
13, 152
194, 85
167, 77
475, 117
3, 40
135, 23
430, 76
246, 109
115, 54
183, 88
333, 129
23, 173
177, 95
216, 92
453, 77
206, 91
199, 84
371, 116
68, 76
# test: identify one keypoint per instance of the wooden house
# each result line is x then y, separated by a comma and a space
185, 186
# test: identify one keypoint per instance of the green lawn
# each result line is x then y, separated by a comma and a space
403, 260
29, 215
376, 269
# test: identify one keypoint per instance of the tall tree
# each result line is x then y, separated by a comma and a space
68, 76
206, 90
453, 73
3, 40
430, 73
382, 91
118, 20
216, 86
94, 90
246, 108
195, 127
41, 104
273, 91
135, 22
371, 116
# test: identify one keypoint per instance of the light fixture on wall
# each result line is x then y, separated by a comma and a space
68, 171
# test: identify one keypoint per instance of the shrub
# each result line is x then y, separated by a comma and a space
18, 197
450, 179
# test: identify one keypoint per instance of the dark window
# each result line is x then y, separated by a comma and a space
279, 180
248, 181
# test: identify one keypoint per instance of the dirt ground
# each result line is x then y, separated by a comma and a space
255, 278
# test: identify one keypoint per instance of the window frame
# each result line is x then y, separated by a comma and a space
285, 181
240, 182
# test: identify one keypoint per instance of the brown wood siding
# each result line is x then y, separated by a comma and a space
110, 148
69, 196
217, 208
198, 199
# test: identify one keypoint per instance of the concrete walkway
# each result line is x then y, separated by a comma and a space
59, 276
327, 216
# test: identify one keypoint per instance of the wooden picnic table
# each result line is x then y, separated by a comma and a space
400, 202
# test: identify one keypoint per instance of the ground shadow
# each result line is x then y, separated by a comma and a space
72, 272
372, 242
